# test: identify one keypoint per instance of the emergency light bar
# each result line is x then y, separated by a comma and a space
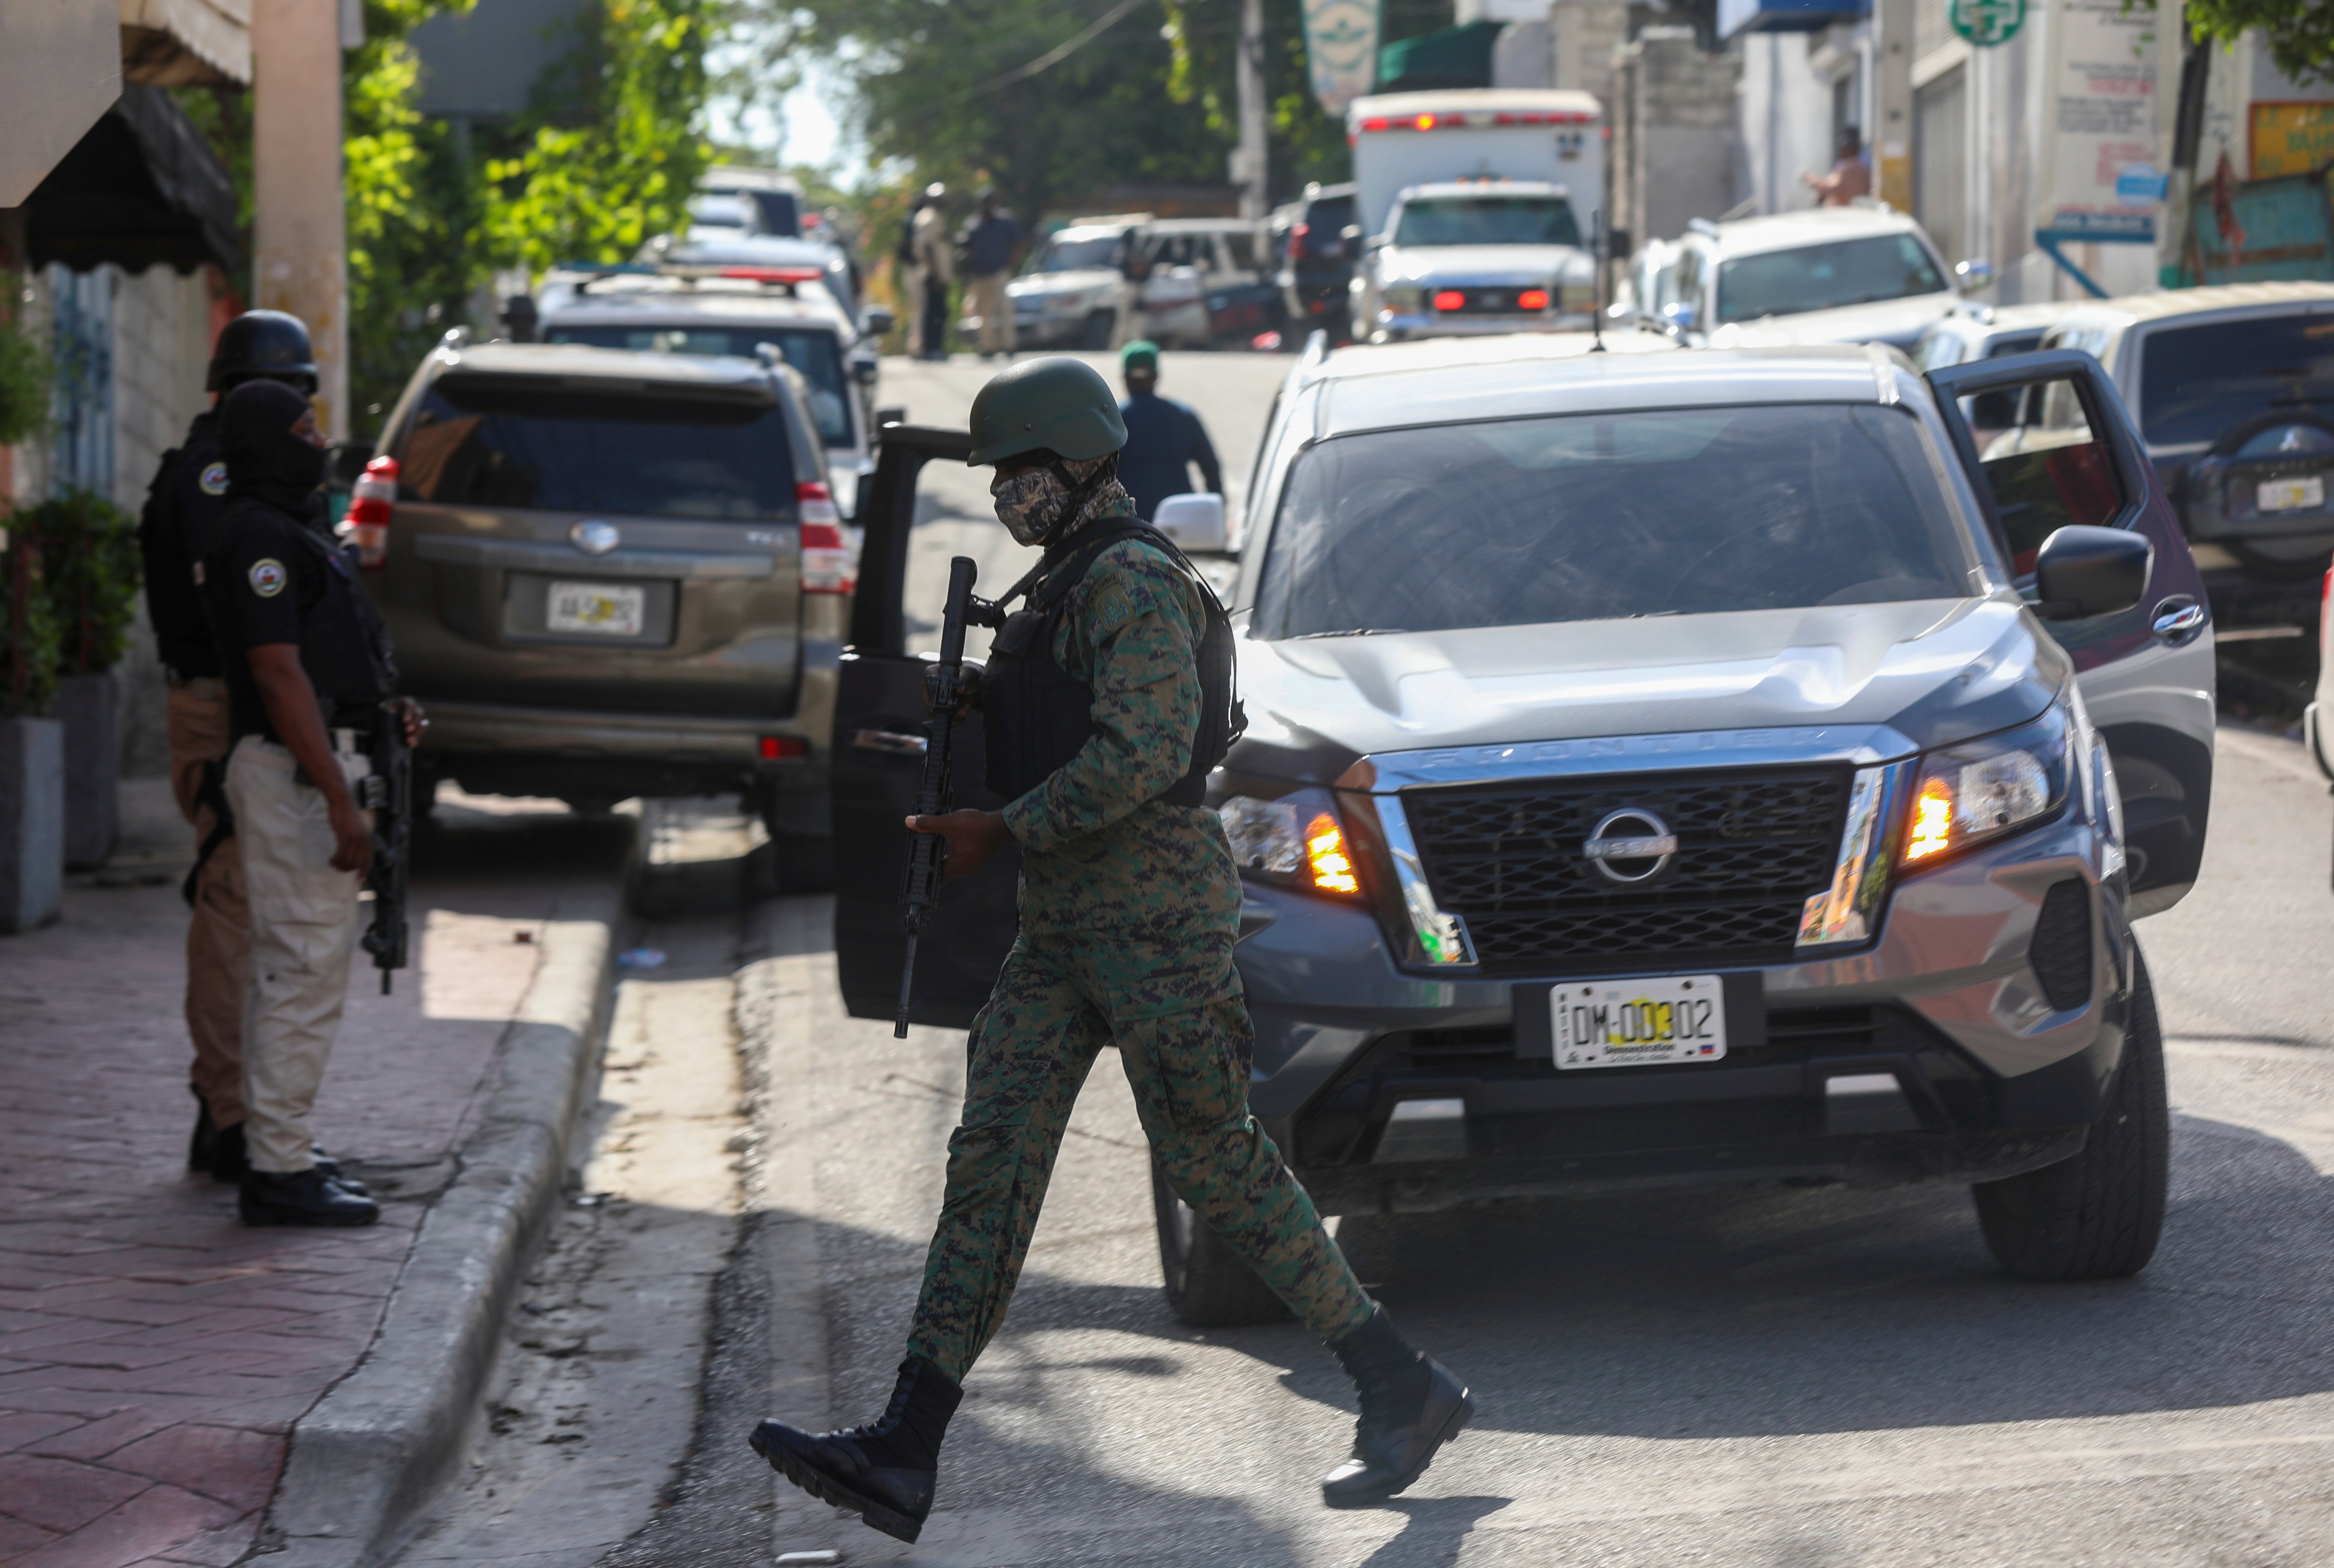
1465, 120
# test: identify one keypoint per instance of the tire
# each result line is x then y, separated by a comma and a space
1100, 327
1208, 1284
2097, 1215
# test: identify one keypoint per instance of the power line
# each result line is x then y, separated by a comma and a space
1052, 56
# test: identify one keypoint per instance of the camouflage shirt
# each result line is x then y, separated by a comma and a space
1100, 852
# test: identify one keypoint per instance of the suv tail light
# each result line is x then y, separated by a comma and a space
371, 501
827, 559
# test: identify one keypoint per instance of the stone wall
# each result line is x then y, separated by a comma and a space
1674, 119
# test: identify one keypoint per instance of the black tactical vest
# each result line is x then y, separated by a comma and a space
1035, 716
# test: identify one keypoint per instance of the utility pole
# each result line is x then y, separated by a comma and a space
1891, 136
299, 220
1249, 168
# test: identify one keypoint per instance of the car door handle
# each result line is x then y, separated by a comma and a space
2177, 619
891, 742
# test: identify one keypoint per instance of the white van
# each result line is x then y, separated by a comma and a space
1404, 138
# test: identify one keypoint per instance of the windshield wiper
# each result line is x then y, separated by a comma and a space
1351, 631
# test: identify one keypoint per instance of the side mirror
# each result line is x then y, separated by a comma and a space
865, 371
1970, 277
889, 416
2082, 571
880, 320
1193, 523
1349, 241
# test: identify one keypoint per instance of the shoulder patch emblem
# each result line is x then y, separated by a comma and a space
268, 577
214, 479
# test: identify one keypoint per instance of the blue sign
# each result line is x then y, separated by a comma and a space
2139, 183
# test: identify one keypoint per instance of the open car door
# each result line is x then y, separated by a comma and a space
2048, 442
879, 761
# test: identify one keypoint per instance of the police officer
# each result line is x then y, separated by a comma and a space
308, 675
1129, 901
182, 510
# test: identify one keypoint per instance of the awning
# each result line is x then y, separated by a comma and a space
187, 42
1449, 57
140, 187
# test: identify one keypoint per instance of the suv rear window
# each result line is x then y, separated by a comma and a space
2195, 382
1610, 517
814, 353
501, 442
1326, 222
1826, 277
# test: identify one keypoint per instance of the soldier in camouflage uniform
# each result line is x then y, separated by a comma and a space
1129, 908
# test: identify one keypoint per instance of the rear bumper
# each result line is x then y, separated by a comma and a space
2242, 597
1932, 1053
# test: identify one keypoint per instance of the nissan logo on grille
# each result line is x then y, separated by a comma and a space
1630, 845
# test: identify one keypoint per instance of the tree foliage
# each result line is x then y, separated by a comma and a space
2300, 33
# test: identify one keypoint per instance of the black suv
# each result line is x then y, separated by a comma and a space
1317, 261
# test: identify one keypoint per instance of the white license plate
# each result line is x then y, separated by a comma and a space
1634, 1022
2293, 495
603, 609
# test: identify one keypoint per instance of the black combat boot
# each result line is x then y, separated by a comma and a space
1411, 1406
885, 1472
301, 1198
201, 1147
230, 1161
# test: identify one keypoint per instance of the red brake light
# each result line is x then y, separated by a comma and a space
829, 565
783, 747
1449, 300
1532, 300
1300, 231
371, 501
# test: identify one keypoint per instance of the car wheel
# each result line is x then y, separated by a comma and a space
2098, 1215
1208, 1285
1100, 327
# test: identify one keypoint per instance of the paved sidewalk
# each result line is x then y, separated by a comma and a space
153, 1353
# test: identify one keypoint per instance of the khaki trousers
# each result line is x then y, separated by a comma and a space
304, 923
218, 935
996, 312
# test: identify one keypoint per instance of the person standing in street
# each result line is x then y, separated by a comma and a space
1129, 906
182, 511
308, 673
1164, 438
992, 242
928, 242
1850, 178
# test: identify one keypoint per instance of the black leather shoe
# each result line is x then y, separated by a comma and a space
885, 1472
1411, 1406
301, 1198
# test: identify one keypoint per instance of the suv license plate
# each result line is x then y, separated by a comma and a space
602, 608
2292, 495
1637, 1023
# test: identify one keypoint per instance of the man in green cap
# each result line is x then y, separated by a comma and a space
1164, 438
1130, 903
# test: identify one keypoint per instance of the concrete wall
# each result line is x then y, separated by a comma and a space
1784, 113
1676, 152
1586, 35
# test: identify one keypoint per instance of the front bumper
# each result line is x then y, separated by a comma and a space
1955, 1062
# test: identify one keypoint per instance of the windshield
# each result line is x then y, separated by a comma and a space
1486, 220
814, 354
1064, 255
478, 441
1603, 516
1823, 277
2195, 382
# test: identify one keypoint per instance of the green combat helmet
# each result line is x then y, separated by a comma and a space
1055, 404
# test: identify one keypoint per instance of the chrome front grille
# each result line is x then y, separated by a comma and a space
1751, 846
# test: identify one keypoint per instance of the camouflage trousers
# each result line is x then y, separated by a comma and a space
1058, 1001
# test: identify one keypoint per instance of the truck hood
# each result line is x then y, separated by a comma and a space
1897, 322
1500, 264
1938, 670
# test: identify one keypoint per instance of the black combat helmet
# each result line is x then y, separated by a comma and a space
262, 345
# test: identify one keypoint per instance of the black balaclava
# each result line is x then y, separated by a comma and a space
263, 457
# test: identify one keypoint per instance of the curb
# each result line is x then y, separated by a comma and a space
366, 1458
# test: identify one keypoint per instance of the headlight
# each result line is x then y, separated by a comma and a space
1403, 297
1982, 789
1295, 841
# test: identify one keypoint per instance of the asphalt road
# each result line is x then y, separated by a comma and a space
1805, 1379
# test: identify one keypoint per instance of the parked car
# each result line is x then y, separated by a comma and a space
1985, 332
1658, 771
1833, 274
736, 311
775, 199
2233, 390
612, 574
1102, 281
1316, 265
1475, 257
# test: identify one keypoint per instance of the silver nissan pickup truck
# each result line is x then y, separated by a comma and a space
1683, 767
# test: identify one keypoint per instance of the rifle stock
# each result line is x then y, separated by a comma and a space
920, 882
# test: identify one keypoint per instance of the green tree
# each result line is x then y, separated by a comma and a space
2300, 33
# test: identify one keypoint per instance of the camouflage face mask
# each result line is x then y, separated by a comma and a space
1030, 505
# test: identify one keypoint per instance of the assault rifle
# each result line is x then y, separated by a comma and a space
919, 878
388, 794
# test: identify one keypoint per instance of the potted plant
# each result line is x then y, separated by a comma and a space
90, 573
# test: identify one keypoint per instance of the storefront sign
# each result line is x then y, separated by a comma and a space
1341, 49
1986, 22
2102, 77
2292, 138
